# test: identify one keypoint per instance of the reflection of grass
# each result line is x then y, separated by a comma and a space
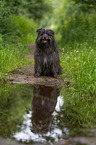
80, 73
14, 101
78, 109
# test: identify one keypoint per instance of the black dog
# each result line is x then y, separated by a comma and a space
47, 61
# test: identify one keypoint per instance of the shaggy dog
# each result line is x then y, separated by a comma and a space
47, 61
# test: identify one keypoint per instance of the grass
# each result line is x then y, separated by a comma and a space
79, 71
79, 65
77, 42
11, 56
13, 47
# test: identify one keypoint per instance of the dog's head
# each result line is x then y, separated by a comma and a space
45, 37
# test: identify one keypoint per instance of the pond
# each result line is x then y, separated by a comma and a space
38, 114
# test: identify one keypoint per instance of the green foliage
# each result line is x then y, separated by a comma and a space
75, 25
12, 50
86, 4
1, 41
37, 8
11, 56
16, 6
78, 41
6, 24
79, 64
34, 9
15, 31
80, 76
25, 28
76, 35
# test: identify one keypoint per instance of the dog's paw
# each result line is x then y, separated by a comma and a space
37, 75
55, 76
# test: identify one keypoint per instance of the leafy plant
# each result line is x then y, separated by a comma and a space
34, 9
25, 28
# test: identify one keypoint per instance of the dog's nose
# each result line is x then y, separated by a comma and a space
45, 36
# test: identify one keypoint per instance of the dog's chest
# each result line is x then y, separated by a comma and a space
45, 60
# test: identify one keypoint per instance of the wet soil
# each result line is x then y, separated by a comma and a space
26, 74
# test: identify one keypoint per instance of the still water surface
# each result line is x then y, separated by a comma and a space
36, 115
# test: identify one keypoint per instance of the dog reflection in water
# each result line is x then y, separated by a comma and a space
43, 106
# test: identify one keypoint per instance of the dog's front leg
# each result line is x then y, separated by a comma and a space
54, 72
54, 65
37, 68
37, 72
37, 75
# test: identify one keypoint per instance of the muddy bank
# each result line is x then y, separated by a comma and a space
26, 74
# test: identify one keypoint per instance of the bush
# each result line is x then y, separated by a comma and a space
25, 28
14, 32
6, 24
76, 25
78, 47
34, 9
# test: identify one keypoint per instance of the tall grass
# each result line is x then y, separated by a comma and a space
11, 57
77, 42
80, 94
79, 65
76, 36
12, 45
79, 72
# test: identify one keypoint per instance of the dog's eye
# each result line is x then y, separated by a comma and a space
41, 33
50, 32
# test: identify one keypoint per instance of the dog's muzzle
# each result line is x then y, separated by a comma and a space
45, 38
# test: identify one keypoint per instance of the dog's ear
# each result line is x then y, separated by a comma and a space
51, 32
39, 30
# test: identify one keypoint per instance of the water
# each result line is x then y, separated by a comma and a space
40, 115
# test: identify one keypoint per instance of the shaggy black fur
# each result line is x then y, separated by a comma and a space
47, 61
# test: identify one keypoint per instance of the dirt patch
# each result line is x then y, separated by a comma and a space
26, 74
